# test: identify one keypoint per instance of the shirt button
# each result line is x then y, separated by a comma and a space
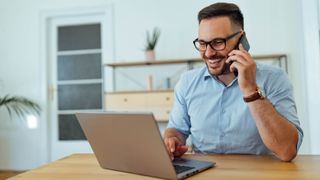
223, 111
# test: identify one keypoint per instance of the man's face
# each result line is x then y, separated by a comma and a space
209, 29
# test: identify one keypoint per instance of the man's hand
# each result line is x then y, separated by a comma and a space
246, 66
175, 147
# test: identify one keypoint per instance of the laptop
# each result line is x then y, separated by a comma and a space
131, 142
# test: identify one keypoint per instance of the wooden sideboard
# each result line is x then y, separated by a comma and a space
158, 102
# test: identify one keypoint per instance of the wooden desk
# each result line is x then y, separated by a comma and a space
85, 166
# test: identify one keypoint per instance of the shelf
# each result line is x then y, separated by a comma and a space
156, 62
184, 61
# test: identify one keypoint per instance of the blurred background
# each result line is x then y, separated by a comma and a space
63, 55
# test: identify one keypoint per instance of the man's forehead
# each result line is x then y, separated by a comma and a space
217, 27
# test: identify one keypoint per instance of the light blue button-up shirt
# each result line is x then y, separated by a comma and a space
217, 118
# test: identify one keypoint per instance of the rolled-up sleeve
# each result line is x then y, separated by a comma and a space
279, 92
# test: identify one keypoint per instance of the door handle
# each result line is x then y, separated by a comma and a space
51, 92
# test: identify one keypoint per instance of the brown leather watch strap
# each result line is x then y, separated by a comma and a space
256, 95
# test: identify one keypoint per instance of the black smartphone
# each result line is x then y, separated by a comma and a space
245, 43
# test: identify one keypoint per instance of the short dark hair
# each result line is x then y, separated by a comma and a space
229, 10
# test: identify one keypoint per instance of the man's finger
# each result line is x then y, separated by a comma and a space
172, 144
183, 149
237, 58
166, 142
180, 150
236, 66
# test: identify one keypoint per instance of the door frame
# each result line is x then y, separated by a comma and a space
46, 18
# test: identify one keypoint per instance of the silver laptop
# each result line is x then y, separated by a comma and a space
131, 142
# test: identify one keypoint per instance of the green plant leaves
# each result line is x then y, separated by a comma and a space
153, 39
19, 105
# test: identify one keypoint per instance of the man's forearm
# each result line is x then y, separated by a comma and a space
277, 133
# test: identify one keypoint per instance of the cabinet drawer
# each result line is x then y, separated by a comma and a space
159, 103
160, 113
160, 99
125, 100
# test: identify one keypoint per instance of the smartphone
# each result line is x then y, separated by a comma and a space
245, 43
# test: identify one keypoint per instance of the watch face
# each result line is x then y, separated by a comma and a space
260, 92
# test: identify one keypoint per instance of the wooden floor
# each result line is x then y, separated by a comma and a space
7, 174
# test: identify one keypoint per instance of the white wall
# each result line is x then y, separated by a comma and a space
312, 70
272, 26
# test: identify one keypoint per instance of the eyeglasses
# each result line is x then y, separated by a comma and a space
217, 44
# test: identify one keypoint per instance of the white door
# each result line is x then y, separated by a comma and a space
77, 51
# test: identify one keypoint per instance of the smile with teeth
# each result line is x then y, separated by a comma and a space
214, 63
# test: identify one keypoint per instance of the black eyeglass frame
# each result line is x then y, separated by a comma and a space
210, 43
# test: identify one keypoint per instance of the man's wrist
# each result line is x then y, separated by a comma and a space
249, 90
257, 94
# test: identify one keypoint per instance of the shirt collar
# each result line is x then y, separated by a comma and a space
207, 75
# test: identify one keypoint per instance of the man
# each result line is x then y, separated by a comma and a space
232, 105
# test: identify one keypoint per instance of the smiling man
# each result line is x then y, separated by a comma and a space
232, 105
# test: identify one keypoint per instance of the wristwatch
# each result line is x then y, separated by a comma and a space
256, 95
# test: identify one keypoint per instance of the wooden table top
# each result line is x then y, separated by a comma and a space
85, 166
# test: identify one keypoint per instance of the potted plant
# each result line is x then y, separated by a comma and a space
151, 44
19, 105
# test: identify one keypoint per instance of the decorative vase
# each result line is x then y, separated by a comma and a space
150, 55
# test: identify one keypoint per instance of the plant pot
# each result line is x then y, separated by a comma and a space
150, 55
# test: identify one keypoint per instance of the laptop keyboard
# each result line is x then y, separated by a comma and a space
180, 169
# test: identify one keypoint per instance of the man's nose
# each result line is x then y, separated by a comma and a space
210, 51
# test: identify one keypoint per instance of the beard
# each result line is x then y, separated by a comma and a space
224, 70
